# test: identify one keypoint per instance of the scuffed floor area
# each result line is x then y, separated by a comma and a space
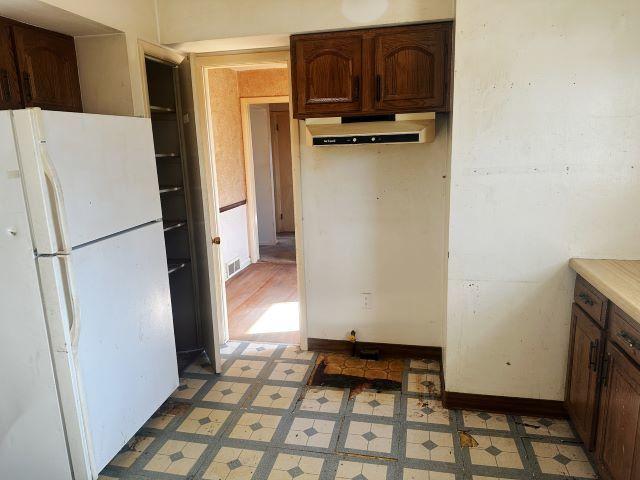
259, 420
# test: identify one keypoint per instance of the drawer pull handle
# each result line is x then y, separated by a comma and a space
586, 299
629, 340
593, 355
356, 88
378, 88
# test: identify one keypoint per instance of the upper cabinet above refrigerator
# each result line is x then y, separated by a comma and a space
377, 71
38, 68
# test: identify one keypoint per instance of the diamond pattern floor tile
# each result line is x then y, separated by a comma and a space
258, 421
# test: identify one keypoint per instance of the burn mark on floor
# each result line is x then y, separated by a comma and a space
355, 384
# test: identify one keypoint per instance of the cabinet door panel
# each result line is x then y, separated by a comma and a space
327, 74
411, 66
9, 86
618, 445
48, 69
582, 390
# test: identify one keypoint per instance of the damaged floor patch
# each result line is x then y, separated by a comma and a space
466, 440
355, 384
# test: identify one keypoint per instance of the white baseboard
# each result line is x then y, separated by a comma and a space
244, 263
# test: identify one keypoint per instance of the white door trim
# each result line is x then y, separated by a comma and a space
203, 63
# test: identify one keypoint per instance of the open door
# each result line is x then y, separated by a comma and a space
205, 229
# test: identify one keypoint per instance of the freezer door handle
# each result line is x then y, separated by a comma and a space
52, 179
74, 314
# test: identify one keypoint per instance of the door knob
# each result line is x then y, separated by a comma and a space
215, 240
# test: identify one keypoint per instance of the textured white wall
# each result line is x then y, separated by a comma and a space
137, 19
374, 220
545, 166
233, 231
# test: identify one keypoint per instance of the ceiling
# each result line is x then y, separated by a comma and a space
52, 18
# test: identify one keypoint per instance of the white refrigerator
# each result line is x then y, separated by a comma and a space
87, 349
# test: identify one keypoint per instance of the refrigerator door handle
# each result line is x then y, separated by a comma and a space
59, 210
74, 314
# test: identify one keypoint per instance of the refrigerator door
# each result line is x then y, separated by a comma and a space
87, 176
31, 426
124, 345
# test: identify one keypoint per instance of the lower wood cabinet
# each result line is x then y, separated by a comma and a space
618, 445
583, 382
603, 382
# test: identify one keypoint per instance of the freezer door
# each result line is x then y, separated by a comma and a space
32, 436
124, 345
86, 176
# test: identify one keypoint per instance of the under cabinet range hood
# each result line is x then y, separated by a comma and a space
399, 128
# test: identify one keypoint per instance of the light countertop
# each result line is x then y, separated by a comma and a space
618, 280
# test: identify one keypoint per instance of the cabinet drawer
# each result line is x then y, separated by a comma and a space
591, 301
625, 333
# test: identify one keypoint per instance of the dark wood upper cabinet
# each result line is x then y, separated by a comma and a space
9, 86
587, 344
48, 69
618, 444
328, 74
410, 68
38, 68
372, 71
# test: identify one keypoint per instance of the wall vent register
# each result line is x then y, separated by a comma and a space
233, 267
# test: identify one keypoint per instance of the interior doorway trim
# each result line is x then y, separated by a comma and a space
252, 210
202, 64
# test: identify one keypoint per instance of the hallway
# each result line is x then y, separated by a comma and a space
262, 304
284, 251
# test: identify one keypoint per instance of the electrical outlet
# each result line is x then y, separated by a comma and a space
367, 300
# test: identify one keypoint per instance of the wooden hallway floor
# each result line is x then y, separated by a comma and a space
262, 304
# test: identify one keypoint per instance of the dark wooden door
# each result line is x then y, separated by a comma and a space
47, 69
9, 86
618, 444
327, 73
411, 68
584, 360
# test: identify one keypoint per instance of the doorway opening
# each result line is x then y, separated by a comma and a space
254, 181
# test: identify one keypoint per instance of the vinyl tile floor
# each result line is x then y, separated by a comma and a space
259, 420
